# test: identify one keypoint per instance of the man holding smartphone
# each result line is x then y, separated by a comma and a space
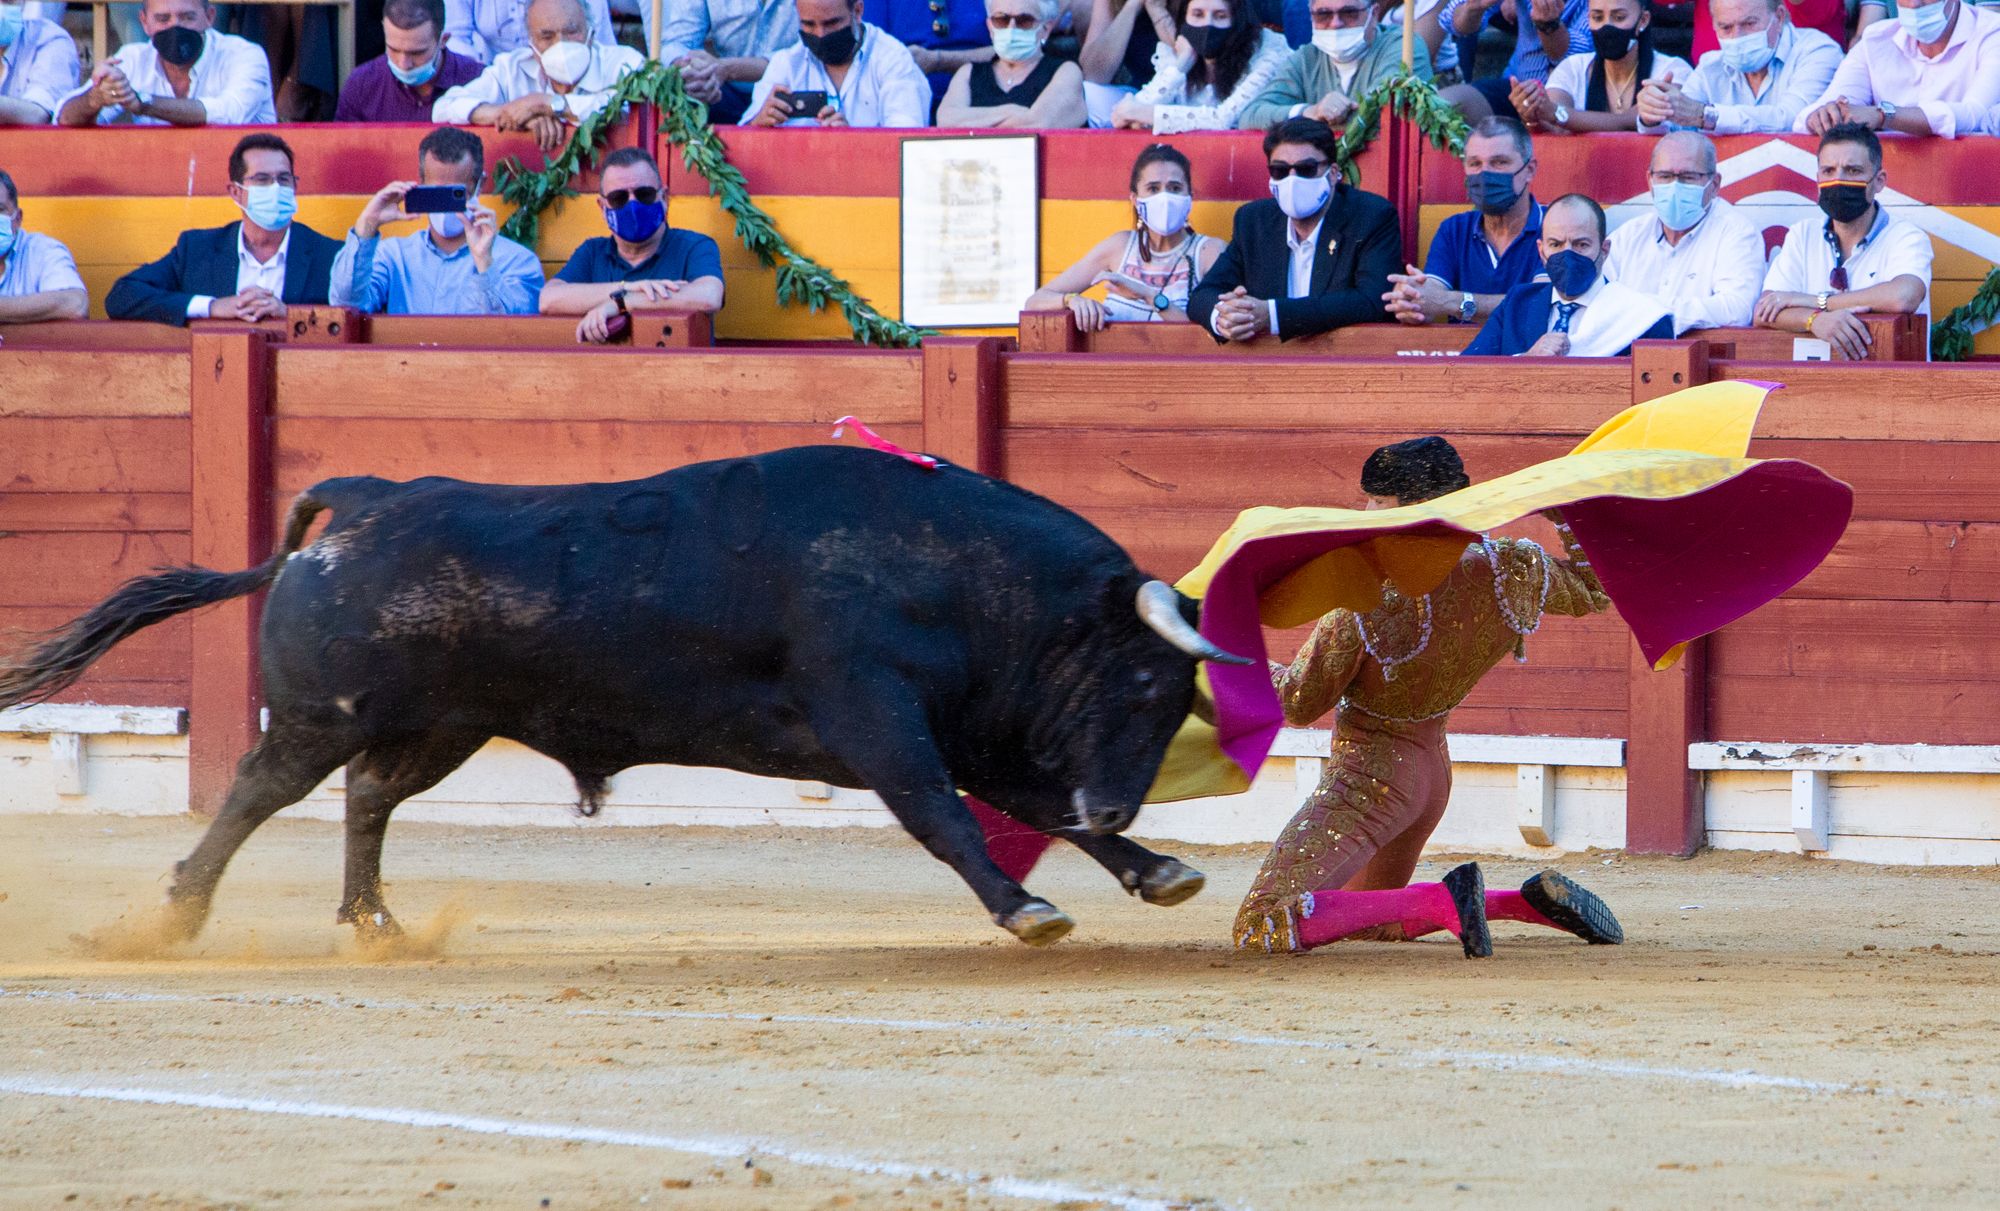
458, 264
842, 72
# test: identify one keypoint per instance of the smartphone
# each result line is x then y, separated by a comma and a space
435, 199
807, 104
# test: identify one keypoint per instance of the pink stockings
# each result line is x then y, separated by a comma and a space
1419, 909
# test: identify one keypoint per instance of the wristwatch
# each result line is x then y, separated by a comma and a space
1888, 109
141, 102
1709, 117
1161, 302
1819, 300
558, 104
618, 298
1467, 308
1562, 115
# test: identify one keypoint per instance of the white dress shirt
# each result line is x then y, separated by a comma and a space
1710, 279
1572, 75
232, 80
1801, 67
41, 65
37, 264
1894, 247
1609, 317
487, 29
518, 73
250, 272
883, 87
1957, 90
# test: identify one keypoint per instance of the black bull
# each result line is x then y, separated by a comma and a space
820, 613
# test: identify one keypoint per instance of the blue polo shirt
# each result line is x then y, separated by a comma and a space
1461, 258
682, 256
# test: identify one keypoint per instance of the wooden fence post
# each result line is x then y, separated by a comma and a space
229, 403
1664, 367
962, 410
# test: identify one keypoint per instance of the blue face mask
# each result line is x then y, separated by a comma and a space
9, 234
1926, 24
416, 76
1680, 205
1749, 53
1571, 273
12, 17
1492, 192
270, 206
636, 221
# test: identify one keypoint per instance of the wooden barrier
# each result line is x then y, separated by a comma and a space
652, 328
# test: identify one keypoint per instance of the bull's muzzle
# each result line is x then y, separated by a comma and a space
1090, 818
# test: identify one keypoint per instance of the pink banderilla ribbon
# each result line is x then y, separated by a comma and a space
883, 444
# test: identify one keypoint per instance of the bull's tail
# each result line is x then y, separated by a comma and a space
65, 654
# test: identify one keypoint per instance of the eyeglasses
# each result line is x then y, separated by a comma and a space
264, 178
1345, 17
1681, 178
1838, 278
1307, 169
1017, 20
940, 18
646, 195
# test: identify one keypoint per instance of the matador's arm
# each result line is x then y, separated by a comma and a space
1319, 675
1573, 586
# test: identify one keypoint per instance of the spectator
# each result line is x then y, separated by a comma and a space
1317, 256
1861, 258
185, 75
1478, 255
487, 30
417, 65
546, 87
1934, 71
1021, 85
459, 265
1761, 79
38, 278
1552, 31
1866, 14
247, 270
1695, 252
1205, 86
1829, 17
38, 67
1149, 271
641, 256
943, 35
1117, 54
1347, 58
1599, 89
868, 78
1572, 311
723, 46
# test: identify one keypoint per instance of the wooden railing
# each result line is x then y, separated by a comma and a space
652, 328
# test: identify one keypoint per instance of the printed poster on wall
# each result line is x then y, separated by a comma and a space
971, 230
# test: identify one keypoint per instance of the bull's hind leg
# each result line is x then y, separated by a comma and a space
284, 767
377, 781
1154, 878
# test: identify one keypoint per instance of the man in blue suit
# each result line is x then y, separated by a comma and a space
248, 270
1570, 310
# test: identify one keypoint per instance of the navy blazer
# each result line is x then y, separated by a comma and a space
1522, 318
1360, 244
204, 262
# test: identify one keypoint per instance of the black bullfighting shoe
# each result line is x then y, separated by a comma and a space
1468, 894
1572, 906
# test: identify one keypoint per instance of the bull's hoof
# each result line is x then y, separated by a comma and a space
1038, 923
181, 917
370, 924
1171, 882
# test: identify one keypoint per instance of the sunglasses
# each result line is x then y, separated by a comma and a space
1330, 18
645, 195
1307, 169
940, 18
1017, 20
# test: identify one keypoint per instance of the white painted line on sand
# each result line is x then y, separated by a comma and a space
1028, 1189
1486, 1061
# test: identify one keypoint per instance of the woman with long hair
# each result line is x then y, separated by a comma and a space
1217, 64
1147, 271
1599, 90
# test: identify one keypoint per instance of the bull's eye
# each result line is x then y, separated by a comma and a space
1144, 677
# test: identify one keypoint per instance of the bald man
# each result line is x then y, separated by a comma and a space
1694, 252
1571, 311
546, 87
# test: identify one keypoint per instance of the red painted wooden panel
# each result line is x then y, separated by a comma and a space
95, 454
76, 569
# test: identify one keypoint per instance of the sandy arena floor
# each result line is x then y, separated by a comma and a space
747, 1019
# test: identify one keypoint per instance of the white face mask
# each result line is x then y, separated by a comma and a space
1301, 198
1342, 45
448, 226
565, 62
1166, 214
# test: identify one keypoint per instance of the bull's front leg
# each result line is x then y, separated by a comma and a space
1154, 878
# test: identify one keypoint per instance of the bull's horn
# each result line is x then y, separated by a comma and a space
1159, 607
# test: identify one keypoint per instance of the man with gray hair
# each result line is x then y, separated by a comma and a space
546, 87
1695, 252
1765, 74
38, 278
1478, 256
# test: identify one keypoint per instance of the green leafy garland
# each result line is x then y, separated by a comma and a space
801, 280
1951, 337
1414, 98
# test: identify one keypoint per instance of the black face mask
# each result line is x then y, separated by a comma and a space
1205, 39
1843, 201
835, 48
1612, 43
178, 45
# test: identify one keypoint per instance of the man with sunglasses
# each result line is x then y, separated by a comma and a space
723, 46
1316, 256
456, 264
1347, 57
642, 258
1860, 258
